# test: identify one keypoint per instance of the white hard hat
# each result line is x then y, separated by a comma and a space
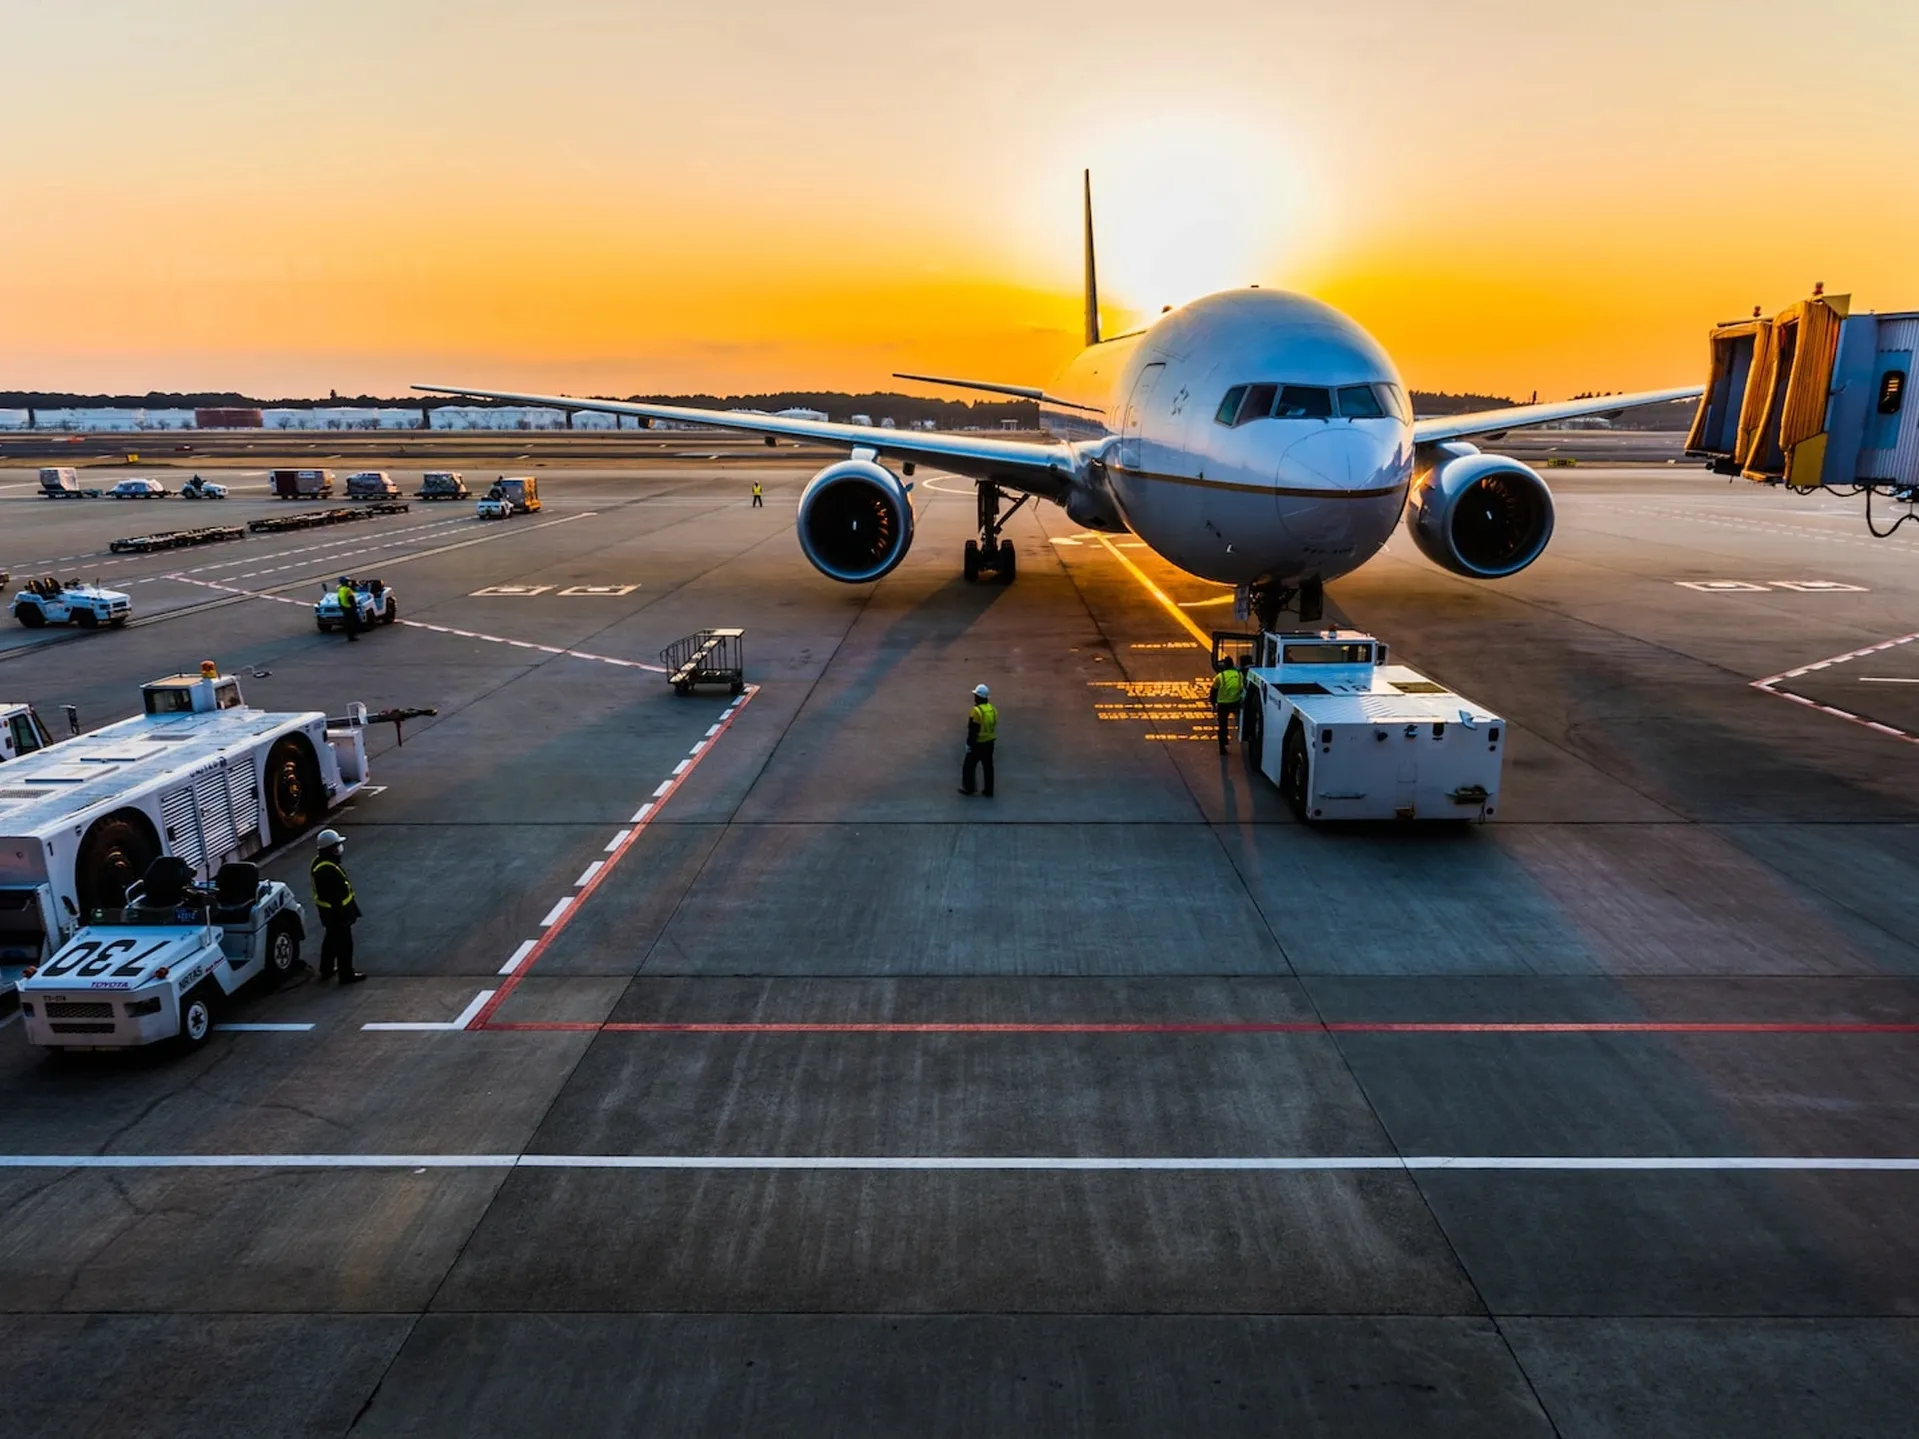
981, 691
327, 838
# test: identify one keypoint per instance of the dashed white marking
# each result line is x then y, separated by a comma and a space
680, 768
553, 914
695, 751
665, 785
1772, 685
617, 840
586, 875
712, 730
264, 1028
519, 956
640, 814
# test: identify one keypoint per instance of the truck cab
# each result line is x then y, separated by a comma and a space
522, 492
22, 731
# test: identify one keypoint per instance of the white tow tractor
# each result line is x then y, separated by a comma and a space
199, 489
1347, 736
70, 602
162, 965
375, 601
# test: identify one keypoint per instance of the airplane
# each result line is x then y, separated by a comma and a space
1253, 437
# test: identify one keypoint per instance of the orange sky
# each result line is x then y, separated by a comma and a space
610, 196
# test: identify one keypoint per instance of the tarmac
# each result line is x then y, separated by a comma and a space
723, 1069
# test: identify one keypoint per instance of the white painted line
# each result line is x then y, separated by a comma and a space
640, 814
695, 751
264, 1028
519, 955
586, 875
617, 840
1886, 680
712, 730
465, 1018
680, 768
555, 912
1806, 1164
665, 785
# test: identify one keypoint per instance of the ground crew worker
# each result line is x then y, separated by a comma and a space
759, 496
349, 608
1229, 688
982, 729
333, 897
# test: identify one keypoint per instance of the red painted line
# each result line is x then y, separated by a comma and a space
1207, 1027
484, 1019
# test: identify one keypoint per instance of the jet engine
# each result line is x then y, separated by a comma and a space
1484, 516
856, 521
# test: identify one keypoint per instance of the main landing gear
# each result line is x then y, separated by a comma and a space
1265, 602
989, 554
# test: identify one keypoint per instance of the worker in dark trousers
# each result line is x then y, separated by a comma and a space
982, 729
349, 608
1229, 688
759, 496
333, 897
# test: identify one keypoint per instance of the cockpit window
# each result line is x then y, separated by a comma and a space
1358, 402
1395, 401
1228, 410
1259, 402
1303, 402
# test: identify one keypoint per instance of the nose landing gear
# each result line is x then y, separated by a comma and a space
989, 554
1265, 602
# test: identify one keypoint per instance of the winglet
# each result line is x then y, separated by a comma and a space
1092, 277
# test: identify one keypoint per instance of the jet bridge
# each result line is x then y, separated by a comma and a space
1816, 398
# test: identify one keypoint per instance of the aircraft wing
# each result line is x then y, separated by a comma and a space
1031, 467
1490, 422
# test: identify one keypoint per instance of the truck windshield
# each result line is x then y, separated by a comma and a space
1318, 654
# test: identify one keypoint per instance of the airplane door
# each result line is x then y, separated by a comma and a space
1129, 441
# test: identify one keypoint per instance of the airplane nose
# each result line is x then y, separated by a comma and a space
1339, 457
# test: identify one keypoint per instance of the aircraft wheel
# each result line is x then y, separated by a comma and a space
970, 567
1007, 564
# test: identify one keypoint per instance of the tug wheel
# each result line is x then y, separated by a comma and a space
1292, 771
283, 951
196, 1017
294, 796
116, 852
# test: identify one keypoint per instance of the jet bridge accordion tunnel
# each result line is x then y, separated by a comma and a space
1814, 398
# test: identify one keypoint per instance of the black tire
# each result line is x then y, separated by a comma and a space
392, 612
283, 951
737, 687
197, 1016
119, 621
32, 616
1007, 564
970, 565
116, 852
1253, 744
1293, 770
323, 627
86, 619
681, 687
295, 799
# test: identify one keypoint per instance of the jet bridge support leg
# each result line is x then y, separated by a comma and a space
990, 554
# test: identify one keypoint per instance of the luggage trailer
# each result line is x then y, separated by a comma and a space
197, 774
1347, 736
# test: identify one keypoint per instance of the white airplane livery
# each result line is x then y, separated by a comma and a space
1253, 438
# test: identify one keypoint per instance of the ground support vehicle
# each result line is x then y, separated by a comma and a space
371, 485
315, 519
1345, 735
61, 602
197, 774
138, 490
377, 606
711, 657
162, 965
441, 485
176, 539
519, 493
62, 482
494, 507
22, 731
301, 484
199, 489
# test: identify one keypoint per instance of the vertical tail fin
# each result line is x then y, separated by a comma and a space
1092, 276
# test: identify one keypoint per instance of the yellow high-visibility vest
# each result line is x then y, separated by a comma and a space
987, 718
1232, 685
338, 869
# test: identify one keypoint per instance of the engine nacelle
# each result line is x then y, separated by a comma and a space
1483, 516
856, 521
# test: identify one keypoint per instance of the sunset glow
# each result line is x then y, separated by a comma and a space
631, 198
